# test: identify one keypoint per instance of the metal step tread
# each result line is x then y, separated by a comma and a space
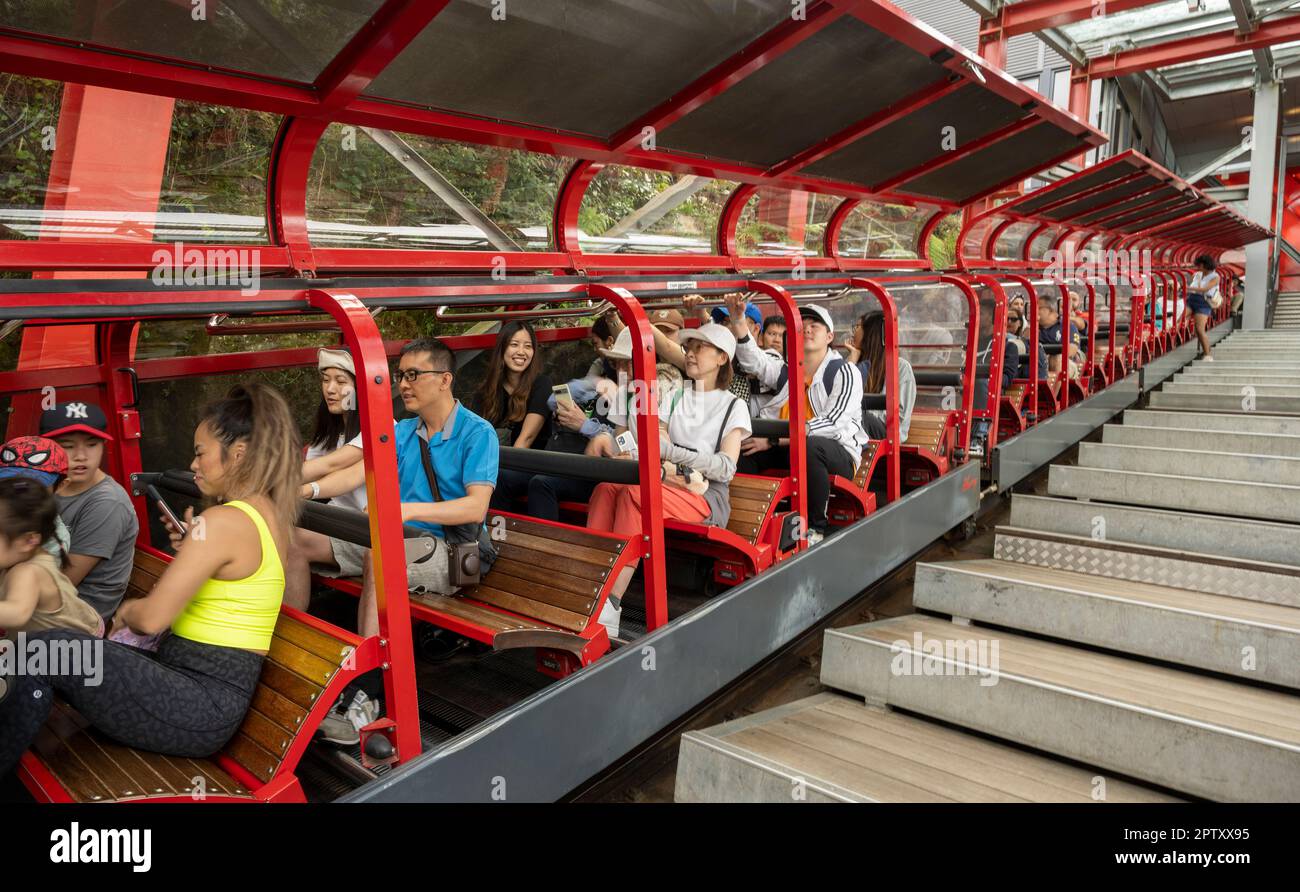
1259, 541
1204, 463
1211, 606
1238, 442
1186, 697
1240, 422
831, 745
1205, 495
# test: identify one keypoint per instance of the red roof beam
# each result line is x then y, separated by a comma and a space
1029, 16
369, 52
1193, 49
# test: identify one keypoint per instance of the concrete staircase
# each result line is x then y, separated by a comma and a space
1286, 316
1136, 631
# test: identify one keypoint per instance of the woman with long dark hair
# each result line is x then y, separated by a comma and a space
336, 441
513, 398
865, 348
1201, 295
219, 597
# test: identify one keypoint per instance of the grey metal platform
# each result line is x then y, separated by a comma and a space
1228, 497
1244, 422
830, 748
1252, 640
1264, 404
1228, 537
1197, 459
1208, 737
1278, 445
1110, 560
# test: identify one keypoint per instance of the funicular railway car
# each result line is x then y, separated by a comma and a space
836, 207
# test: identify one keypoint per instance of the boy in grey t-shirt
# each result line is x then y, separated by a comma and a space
98, 512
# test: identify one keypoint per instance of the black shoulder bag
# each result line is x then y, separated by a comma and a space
470, 545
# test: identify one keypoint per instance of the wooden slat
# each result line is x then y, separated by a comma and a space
750, 505
568, 550
266, 734
490, 620
278, 708
533, 573
543, 593
289, 685
251, 757
553, 562
748, 518
214, 778
77, 777
547, 613
563, 533
747, 483
748, 532
294, 658
312, 640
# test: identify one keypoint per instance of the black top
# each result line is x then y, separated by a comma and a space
536, 405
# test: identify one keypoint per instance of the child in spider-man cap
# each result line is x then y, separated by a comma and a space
95, 507
35, 594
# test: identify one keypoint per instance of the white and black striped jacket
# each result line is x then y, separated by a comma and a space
835, 395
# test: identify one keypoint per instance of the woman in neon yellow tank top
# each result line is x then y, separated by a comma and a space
220, 597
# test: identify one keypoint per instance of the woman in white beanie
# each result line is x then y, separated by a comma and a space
336, 442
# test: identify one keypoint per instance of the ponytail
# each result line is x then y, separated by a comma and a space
272, 462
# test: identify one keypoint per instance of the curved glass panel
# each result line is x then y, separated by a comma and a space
972, 246
1010, 244
932, 322
633, 210
878, 231
183, 171
784, 223
377, 189
214, 181
1042, 243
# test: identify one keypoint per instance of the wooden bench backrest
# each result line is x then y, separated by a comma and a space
863, 476
751, 500
926, 431
299, 664
549, 572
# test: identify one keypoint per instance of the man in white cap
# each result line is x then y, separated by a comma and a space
832, 398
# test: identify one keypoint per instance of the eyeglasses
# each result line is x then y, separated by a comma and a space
1013, 318
410, 376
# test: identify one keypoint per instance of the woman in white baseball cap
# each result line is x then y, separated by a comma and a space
701, 426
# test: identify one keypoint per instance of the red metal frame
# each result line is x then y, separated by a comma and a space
1190, 49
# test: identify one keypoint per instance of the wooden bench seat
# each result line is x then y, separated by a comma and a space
307, 666
545, 591
852, 500
752, 539
927, 451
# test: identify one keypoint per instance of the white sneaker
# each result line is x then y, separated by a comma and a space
610, 615
344, 727
362, 711
1209, 359
815, 538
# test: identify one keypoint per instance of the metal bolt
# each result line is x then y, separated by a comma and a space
385, 667
383, 642
379, 379
383, 438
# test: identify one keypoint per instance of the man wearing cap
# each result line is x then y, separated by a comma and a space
100, 517
832, 399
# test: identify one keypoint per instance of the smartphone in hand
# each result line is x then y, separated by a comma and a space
166, 509
562, 394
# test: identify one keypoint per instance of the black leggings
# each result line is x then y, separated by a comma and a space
187, 699
826, 457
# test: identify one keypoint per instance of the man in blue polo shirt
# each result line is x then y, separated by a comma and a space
463, 449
